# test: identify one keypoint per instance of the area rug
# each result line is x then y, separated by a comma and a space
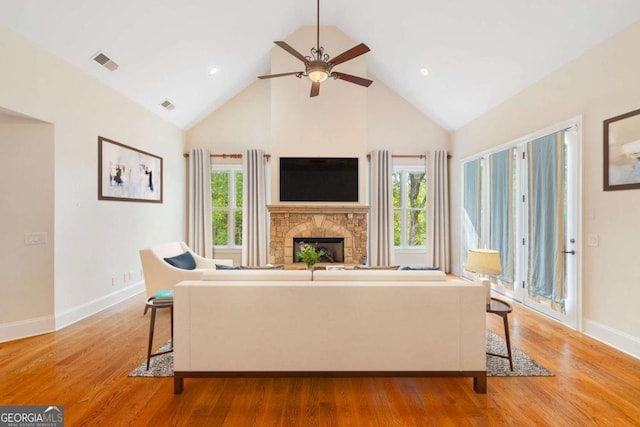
523, 365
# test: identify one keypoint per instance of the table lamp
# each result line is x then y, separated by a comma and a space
484, 261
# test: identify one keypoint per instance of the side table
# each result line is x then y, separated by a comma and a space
502, 309
155, 304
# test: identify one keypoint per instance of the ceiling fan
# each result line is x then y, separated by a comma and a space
318, 67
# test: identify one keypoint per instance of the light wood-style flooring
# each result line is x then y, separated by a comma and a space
85, 366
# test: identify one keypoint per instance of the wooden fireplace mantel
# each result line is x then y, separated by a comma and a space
318, 208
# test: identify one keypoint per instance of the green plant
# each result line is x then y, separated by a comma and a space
309, 254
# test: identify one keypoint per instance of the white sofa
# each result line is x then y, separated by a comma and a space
160, 275
343, 323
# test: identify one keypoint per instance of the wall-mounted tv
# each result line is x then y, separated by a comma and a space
318, 179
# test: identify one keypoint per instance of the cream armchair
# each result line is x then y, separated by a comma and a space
159, 275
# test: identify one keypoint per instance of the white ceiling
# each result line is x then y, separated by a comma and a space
479, 53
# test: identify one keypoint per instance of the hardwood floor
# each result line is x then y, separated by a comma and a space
85, 366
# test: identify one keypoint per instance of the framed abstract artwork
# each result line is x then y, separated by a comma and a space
622, 152
128, 174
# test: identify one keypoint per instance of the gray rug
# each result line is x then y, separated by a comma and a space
523, 365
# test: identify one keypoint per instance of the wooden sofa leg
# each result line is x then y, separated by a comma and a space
480, 383
178, 384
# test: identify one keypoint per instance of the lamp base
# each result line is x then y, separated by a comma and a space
487, 287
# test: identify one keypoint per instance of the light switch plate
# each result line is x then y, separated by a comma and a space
35, 238
593, 240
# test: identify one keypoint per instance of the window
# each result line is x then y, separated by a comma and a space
226, 206
409, 208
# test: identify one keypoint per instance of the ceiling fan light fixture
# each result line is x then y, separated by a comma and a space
318, 75
318, 67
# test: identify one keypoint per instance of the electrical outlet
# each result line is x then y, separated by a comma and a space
114, 280
593, 240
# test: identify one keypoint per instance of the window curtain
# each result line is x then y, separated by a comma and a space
501, 206
254, 223
200, 228
438, 239
472, 203
546, 219
381, 224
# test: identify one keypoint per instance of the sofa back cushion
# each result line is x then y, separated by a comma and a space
263, 267
258, 275
379, 275
376, 267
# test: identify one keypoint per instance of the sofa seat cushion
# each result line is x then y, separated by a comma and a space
184, 261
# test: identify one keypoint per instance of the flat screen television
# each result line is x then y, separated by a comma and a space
318, 179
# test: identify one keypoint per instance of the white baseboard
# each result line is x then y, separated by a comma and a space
83, 311
26, 328
613, 337
42, 325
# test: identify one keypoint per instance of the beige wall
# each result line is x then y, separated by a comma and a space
396, 125
93, 241
241, 123
26, 203
598, 85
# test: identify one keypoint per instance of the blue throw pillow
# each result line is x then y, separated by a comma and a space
183, 261
227, 267
409, 267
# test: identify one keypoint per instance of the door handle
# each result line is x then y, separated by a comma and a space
572, 252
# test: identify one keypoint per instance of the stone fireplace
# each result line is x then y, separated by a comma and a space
346, 222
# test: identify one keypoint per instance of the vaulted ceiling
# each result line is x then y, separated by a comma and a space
478, 53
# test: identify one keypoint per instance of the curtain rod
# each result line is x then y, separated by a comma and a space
268, 156
408, 156
230, 156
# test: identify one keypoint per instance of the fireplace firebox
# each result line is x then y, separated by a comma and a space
333, 248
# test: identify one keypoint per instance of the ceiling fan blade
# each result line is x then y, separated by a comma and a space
350, 54
352, 79
270, 76
315, 89
293, 52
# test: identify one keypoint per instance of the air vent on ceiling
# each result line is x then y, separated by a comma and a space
105, 61
168, 105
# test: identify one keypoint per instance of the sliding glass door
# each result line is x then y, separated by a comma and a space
524, 204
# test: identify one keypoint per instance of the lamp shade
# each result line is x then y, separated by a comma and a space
484, 261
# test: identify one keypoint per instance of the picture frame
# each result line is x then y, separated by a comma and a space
128, 174
622, 152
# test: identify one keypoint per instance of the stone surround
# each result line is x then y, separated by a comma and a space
289, 221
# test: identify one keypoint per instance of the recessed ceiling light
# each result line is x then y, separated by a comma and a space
213, 71
424, 71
